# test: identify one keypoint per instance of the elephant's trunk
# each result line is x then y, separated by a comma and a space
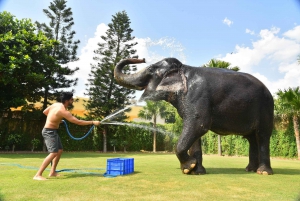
133, 81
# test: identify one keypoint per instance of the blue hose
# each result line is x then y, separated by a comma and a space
81, 138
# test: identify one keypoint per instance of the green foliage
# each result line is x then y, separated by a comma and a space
106, 96
14, 139
288, 102
60, 28
151, 111
282, 143
215, 63
23, 55
35, 142
287, 106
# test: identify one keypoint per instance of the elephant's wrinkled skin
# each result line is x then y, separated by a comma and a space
220, 100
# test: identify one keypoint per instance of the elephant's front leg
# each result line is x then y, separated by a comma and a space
196, 152
192, 130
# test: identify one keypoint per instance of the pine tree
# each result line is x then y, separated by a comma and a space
105, 95
59, 29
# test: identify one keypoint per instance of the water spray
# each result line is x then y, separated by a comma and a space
114, 114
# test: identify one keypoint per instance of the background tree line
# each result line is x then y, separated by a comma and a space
34, 68
34, 63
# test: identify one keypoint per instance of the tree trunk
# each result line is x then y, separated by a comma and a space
296, 129
219, 146
154, 134
154, 141
105, 139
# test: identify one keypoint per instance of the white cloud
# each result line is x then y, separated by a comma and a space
152, 50
227, 21
250, 32
273, 54
293, 34
86, 59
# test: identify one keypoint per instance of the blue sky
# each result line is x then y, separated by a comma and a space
261, 37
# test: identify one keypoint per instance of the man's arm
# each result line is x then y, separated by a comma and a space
46, 111
67, 115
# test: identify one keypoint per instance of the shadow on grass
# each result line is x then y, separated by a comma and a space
243, 171
298, 198
78, 175
1, 197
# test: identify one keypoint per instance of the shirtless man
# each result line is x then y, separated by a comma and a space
55, 113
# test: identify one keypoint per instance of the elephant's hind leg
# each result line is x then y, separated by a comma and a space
253, 152
263, 138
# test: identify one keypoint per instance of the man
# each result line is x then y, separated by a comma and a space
55, 113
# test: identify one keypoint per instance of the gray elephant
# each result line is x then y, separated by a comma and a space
223, 101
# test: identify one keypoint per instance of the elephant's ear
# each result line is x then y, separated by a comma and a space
173, 81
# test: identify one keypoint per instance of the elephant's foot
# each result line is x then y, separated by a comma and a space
198, 170
188, 165
263, 169
251, 168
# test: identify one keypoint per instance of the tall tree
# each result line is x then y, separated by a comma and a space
60, 29
215, 63
105, 95
23, 54
289, 105
151, 111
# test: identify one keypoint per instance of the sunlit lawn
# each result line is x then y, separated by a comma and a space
156, 177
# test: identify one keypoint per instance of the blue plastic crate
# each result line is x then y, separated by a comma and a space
120, 166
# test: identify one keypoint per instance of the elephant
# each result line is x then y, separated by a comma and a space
221, 100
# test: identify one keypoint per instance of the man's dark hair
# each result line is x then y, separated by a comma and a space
64, 96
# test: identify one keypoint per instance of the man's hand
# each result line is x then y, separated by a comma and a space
96, 123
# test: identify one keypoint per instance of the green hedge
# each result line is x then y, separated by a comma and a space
134, 138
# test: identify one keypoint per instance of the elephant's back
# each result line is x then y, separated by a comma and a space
227, 80
231, 92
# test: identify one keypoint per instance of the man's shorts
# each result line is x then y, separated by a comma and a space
52, 140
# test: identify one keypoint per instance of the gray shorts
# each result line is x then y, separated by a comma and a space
52, 140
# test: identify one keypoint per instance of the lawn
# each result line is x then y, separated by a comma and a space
156, 177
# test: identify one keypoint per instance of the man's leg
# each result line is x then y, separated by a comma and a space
54, 164
46, 162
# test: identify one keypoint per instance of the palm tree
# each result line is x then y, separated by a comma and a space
290, 106
215, 63
151, 112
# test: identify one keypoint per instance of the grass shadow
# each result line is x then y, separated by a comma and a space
1, 197
243, 171
78, 175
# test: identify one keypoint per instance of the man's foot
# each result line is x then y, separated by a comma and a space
54, 174
39, 178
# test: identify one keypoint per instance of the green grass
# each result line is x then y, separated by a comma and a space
156, 177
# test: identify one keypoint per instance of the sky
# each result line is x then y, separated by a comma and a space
262, 38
